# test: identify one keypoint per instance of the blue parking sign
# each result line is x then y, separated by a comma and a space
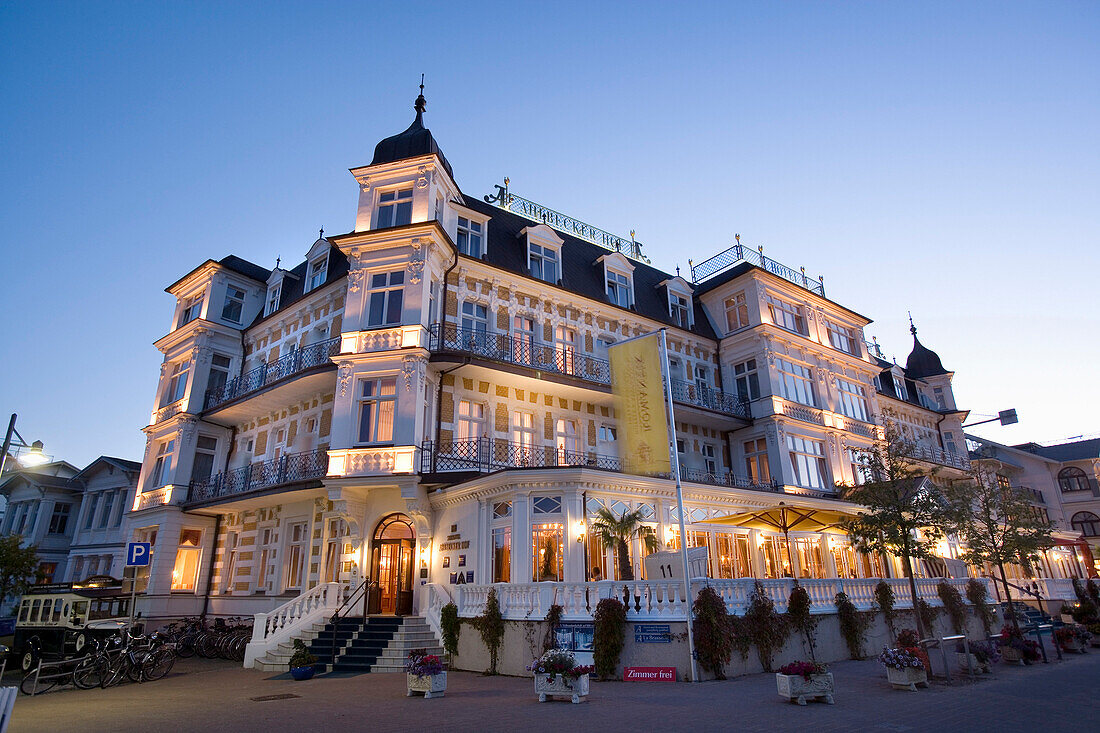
138, 554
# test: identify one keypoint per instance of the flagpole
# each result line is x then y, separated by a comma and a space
675, 459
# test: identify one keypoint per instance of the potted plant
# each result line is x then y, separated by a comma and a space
424, 673
1072, 638
981, 656
557, 673
905, 668
799, 680
302, 661
1015, 649
549, 554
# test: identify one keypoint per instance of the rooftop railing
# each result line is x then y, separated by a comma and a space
286, 469
739, 253
288, 365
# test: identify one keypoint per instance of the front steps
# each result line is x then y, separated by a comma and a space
375, 644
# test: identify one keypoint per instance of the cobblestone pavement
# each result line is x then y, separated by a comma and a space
206, 695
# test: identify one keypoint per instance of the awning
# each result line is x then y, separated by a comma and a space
785, 517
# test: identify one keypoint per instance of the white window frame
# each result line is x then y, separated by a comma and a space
176, 389
786, 315
567, 439
274, 294
737, 312
190, 310
230, 297
318, 272
393, 204
843, 338
796, 382
523, 435
808, 464
161, 466
390, 286
565, 348
619, 287
474, 316
470, 238
757, 465
679, 308
471, 420
746, 380
382, 398
852, 399
544, 254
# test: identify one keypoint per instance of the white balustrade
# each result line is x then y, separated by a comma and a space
433, 597
281, 624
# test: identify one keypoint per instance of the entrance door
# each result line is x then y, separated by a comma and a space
392, 567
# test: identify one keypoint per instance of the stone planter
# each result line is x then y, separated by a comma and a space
1012, 655
550, 686
907, 678
796, 688
1073, 645
431, 685
966, 661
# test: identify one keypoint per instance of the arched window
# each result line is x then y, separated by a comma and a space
395, 527
1073, 479
1087, 523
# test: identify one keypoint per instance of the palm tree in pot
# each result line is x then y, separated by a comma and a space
617, 532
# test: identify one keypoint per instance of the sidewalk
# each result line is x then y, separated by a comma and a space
211, 695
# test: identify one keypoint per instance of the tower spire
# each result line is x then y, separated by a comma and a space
912, 328
421, 104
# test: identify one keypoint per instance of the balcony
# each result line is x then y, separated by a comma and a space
567, 362
295, 363
166, 412
287, 469
1035, 494
803, 413
486, 455
932, 454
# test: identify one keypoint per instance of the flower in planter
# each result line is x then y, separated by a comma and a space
900, 658
805, 669
559, 662
984, 652
422, 664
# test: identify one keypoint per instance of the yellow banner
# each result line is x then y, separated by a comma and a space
640, 404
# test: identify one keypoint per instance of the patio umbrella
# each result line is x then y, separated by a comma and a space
785, 517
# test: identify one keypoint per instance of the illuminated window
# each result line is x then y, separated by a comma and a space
186, 569
523, 436
394, 208
737, 312
297, 536
377, 403
567, 442
546, 552
471, 420
786, 315
565, 348
502, 554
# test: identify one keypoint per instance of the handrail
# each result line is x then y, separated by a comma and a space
347, 604
283, 622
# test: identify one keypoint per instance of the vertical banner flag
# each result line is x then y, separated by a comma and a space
640, 403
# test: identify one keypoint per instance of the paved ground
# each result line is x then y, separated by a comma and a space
207, 695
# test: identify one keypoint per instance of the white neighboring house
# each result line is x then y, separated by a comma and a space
42, 503
98, 542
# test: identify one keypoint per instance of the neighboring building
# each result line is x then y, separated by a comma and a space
98, 544
42, 505
426, 398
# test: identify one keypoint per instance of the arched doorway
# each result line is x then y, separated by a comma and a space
392, 566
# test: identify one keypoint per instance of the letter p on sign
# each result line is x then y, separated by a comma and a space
138, 553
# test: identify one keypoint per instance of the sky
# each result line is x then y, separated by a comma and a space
938, 158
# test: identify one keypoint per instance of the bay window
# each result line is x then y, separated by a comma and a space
385, 302
786, 315
796, 382
807, 462
394, 208
377, 404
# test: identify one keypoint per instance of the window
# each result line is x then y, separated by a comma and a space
159, 474
856, 463
191, 309
297, 537
273, 296
618, 288
679, 308
318, 272
786, 315
523, 340
853, 399
843, 338
756, 461
203, 466
1072, 478
1086, 523
234, 304
796, 382
439, 208
565, 348
546, 552
737, 312
177, 385
709, 461
603, 343
385, 298
608, 434
502, 509
949, 441
188, 555
899, 387
394, 208
32, 515
471, 420
120, 508
502, 554
543, 263
938, 392
546, 505
523, 435
93, 504
219, 375
267, 554
701, 380
377, 402
807, 462
59, 520
469, 237
433, 302
567, 441
747, 381
105, 512
475, 317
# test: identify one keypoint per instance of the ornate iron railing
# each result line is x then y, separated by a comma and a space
299, 360
712, 399
519, 350
485, 455
740, 253
283, 470
567, 224
933, 454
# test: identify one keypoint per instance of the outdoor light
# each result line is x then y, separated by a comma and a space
34, 456
580, 531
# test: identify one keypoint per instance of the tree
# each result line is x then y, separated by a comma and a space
18, 566
998, 525
617, 531
903, 514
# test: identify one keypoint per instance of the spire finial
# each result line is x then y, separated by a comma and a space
912, 328
322, 235
421, 103
277, 261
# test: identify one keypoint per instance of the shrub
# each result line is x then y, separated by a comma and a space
491, 627
798, 614
928, 616
301, 657
908, 638
607, 643
884, 597
978, 594
853, 624
450, 627
766, 627
954, 605
713, 632
553, 618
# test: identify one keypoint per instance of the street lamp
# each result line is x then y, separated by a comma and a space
34, 455
1007, 417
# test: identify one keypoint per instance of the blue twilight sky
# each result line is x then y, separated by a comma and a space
942, 158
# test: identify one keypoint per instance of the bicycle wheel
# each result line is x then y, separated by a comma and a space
44, 684
134, 666
89, 673
158, 664
114, 674
208, 645
185, 645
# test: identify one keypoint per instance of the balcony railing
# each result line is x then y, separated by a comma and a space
1036, 495
739, 253
485, 455
283, 470
561, 360
167, 411
933, 454
299, 360
803, 413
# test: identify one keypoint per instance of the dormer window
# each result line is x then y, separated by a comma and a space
469, 237
543, 262
234, 304
679, 308
318, 272
618, 288
843, 338
786, 315
737, 312
273, 299
191, 309
394, 208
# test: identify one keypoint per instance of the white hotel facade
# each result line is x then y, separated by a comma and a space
425, 402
